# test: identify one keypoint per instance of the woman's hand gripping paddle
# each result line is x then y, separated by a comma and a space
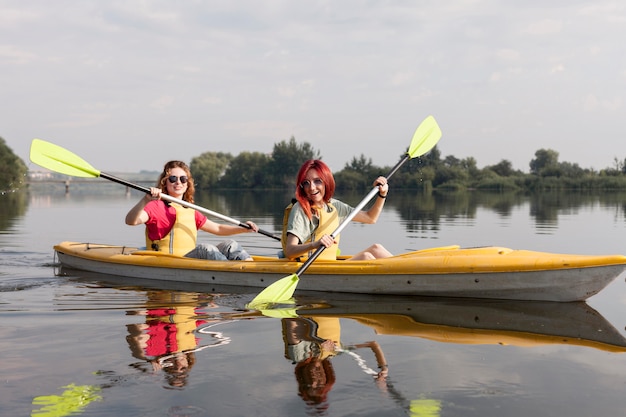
58, 159
425, 138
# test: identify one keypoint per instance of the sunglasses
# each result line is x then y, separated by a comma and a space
173, 178
307, 184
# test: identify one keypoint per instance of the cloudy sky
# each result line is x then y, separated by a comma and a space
129, 84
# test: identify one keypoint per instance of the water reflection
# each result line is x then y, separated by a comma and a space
12, 206
174, 322
311, 327
424, 211
432, 346
473, 321
310, 344
467, 322
419, 211
166, 338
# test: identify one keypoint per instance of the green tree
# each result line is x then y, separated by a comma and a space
571, 170
347, 179
286, 159
247, 170
545, 163
360, 164
431, 159
451, 161
504, 168
357, 174
451, 176
619, 168
419, 170
365, 167
470, 165
12, 169
209, 167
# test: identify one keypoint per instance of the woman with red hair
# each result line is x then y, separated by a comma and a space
316, 215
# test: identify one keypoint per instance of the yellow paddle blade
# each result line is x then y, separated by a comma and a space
279, 291
425, 137
58, 159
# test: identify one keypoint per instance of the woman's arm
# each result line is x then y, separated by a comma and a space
226, 229
293, 247
137, 214
371, 216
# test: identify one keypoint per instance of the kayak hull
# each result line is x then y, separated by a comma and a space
488, 272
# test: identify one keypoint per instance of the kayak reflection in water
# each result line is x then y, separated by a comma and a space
167, 340
310, 343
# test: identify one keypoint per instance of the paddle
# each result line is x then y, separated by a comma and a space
425, 138
58, 159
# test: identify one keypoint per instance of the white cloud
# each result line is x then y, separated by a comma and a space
545, 27
212, 100
508, 54
593, 103
401, 78
162, 103
13, 17
78, 120
10, 54
557, 68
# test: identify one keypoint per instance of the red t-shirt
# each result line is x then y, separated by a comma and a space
162, 218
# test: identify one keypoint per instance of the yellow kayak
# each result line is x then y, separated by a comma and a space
485, 272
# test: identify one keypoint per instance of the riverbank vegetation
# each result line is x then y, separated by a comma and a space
255, 170
431, 172
12, 169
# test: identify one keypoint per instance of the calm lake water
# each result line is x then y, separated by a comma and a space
116, 344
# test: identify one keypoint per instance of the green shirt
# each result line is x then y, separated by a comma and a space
304, 229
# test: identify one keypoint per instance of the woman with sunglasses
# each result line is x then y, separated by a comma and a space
316, 215
173, 228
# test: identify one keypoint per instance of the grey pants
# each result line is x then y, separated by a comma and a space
226, 250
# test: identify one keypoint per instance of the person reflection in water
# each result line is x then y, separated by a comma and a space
310, 343
167, 339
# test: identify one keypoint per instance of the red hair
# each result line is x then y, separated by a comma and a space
326, 176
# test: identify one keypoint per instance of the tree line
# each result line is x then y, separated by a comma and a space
256, 170
277, 170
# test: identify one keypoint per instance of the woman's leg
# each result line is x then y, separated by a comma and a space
376, 251
232, 250
206, 251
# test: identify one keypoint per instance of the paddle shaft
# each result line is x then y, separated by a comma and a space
349, 218
171, 199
